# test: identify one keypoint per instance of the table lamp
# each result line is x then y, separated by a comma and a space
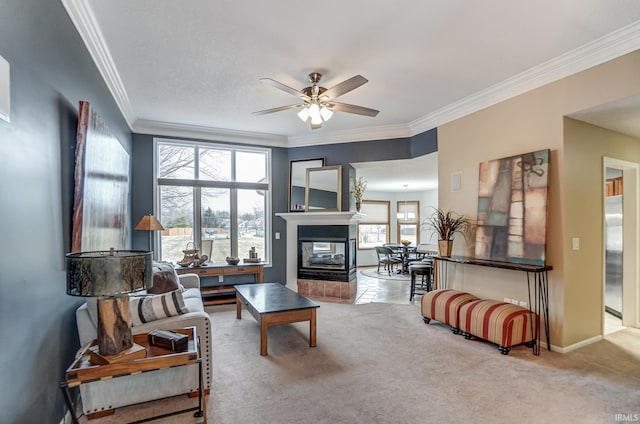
149, 223
110, 275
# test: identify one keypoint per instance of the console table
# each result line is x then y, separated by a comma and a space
537, 285
223, 293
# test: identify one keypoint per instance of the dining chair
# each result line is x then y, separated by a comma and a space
387, 258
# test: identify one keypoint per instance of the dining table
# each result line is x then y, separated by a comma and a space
404, 251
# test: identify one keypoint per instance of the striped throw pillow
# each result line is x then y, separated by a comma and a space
154, 307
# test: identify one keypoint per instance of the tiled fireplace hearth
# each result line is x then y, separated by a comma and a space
330, 291
322, 264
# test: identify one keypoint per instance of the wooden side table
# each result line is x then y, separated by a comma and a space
222, 293
83, 370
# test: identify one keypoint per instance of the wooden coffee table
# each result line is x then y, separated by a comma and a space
274, 304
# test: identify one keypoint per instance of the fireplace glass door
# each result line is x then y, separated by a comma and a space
323, 255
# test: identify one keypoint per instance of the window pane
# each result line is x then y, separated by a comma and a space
175, 162
215, 235
251, 219
409, 232
215, 165
371, 235
176, 215
251, 167
216, 224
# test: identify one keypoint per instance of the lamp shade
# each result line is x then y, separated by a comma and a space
326, 113
149, 223
303, 114
106, 273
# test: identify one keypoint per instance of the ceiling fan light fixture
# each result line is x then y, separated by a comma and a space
314, 111
316, 120
326, 113
303, 114
317, 102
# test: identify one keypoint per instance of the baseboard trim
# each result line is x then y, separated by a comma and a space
578, 345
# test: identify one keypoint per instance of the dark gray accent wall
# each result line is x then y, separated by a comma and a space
51, 71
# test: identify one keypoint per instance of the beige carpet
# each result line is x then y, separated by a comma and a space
379, 363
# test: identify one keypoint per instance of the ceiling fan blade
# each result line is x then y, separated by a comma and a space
345, 86
358, 110
285, 88
277, 109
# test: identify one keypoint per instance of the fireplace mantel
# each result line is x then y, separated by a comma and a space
309, 218
321, 218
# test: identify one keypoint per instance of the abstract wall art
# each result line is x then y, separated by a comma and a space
101, 187
512, 209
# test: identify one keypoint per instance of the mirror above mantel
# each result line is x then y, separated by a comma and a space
323, 191
298, 181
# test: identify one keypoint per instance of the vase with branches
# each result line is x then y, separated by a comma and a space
359, 187
446, 224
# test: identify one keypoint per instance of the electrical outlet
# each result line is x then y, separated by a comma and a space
507, 300
277, 236
221, 278
514, 301
575, 243
523, 304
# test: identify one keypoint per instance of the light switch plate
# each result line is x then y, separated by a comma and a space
575, 243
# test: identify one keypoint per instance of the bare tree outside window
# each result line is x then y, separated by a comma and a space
201, 187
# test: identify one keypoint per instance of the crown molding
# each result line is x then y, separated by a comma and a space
142, 126
610, 46
85, 22
349, 136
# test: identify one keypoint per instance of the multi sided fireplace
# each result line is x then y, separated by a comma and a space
327, 252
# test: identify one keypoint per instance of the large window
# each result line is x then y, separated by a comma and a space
373, 228
214, 198
408, 219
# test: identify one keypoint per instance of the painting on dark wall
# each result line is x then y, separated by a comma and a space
101, 186
512, 209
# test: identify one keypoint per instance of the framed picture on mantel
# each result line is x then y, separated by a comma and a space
298, 181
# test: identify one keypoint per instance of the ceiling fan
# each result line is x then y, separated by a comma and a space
317, 102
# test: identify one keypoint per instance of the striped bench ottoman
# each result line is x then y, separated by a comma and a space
501, 323
443, 305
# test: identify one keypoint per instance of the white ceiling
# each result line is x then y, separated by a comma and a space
192, 68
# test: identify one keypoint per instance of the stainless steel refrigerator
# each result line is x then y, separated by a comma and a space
613, 255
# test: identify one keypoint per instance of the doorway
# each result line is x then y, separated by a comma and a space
620, 250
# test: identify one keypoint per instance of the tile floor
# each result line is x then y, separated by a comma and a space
383, 291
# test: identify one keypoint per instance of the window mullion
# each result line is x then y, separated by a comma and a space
197, 216
233, 224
